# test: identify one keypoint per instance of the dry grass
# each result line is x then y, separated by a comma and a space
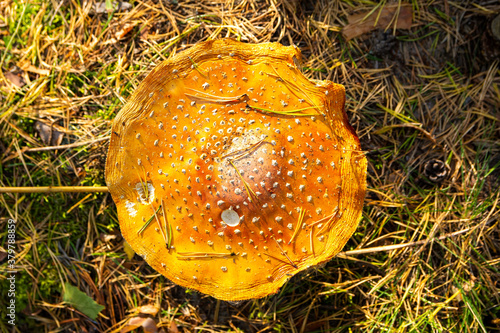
431, 92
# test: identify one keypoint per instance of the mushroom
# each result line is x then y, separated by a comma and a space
232, 172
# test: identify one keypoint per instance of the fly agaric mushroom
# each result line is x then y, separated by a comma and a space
232, 172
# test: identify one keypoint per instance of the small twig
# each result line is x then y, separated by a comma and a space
16, 145
78, 203
304, 322
165, 237
203, 255
247, 187
302, 213
217, 309
242, 152
144, 227
216, 99
280, 260
311, 243
284, 253
289, 112
195, 65
168, 227
399, 246
71, 145
329, 221
54, 189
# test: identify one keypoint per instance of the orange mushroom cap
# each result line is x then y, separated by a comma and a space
232, 172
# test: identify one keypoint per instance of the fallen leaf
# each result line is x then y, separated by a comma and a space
390, 16
49, 135
16, 80
107, 237
148, 324
3, 255
81, 301
173, 327
127, 27
495, 27
148, 309
28, 67
145, 31
128, 250
100, 7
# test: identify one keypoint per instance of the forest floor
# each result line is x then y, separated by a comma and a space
423, 94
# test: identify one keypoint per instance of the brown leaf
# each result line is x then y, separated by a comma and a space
49, 135
145, 32
173, 327
397, 17
126, 28
16, 80
3, 255
148, 324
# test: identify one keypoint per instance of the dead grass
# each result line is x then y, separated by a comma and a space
431, 92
